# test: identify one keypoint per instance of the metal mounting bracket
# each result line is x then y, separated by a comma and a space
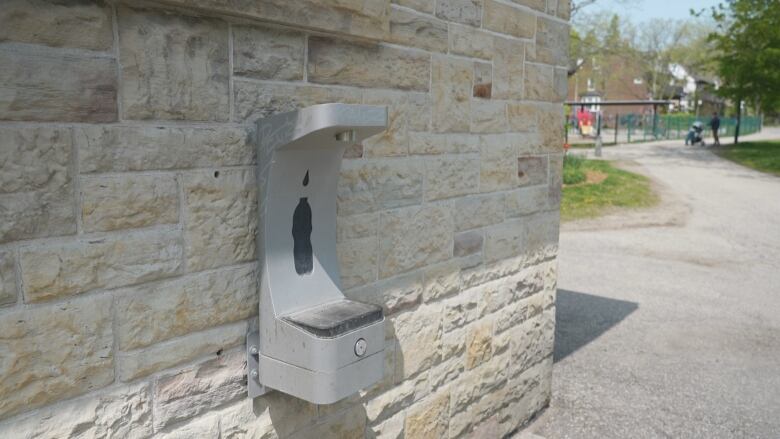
254, 387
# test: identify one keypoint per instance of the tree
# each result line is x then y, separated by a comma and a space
747, 43
591, 41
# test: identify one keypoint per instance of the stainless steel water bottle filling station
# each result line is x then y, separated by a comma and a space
312, 342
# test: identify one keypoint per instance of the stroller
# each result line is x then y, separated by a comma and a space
695, 134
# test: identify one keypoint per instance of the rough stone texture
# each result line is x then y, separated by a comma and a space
133, 148
499, 165
551, 43
199, 388
426, 6
460, 11
220, 216
362, 18
468, 41
265, 53
138, 363
345, 425
478, 211
508, 71
46, 86
483, 83
358, 259
488, 116
505, 240
414, 237
539, 82
54, 353
7, 278
451, 176
505, 19
522, 117
124, 202
160, 311
173, 67
417, 30
430, 419
36, 183
253, 100
379, 184
479, 347
418, 336
83, 25
467, 243
525, 201
54, 271
452, 81
532, 170
539, 5
126, 412
394, 141
334, 61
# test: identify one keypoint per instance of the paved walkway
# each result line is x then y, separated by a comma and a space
672, 330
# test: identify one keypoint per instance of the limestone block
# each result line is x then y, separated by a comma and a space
508, 71
433, 143
253, 100
539, 5
369, 186
220, 217
532, 341
488, 116
506, 240
392, 428
543, 229
469, 41
452, 81
157, 312
560, 84
199, 388
417, 30
418, 336
539, 82
288, 415
239, 421
451, 176
483, 88
442, 279
362, 18
446, 372
83, 25
522, 116
394, 294
265, 53
556, 181
429, 418
142, 362
460, 11
480, 418
564, 9
505, 19
126, 412
173, 67
389, 403
525, 201
471, 386
205, 427
58, 270
426, 6
478, 211
125, 202
551, 125
357, 226
498, 165
349, 424
552, 42
46, 86
393, 141
133, 148
54, 352
419, 111
334, 61
36, 183
532, 170
498, 294
460, 310
358, 261
7, 278
479, 347
468, 243
414, 237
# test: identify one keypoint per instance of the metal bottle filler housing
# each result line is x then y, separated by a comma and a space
313, 343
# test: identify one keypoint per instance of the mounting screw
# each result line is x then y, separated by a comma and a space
253, 373
253, 350
360, 347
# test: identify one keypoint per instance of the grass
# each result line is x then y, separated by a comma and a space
762, 156
595, 187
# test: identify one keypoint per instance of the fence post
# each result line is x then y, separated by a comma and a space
617, 125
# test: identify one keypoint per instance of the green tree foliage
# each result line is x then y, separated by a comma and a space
747, 46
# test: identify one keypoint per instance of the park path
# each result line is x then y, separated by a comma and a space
673, 330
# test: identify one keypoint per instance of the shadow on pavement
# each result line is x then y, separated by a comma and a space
581, 318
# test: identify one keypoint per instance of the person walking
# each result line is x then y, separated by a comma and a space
715, 125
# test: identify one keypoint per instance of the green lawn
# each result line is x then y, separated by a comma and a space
762, 156
593, 187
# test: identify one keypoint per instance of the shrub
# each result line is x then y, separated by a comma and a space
573, 172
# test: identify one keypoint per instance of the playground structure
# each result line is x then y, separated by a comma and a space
632, 127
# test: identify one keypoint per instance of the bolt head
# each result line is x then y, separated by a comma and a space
254, 373
253, 350
360, 347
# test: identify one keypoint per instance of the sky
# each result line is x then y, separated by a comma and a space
640, 10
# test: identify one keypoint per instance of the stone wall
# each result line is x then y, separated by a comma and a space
128, 210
